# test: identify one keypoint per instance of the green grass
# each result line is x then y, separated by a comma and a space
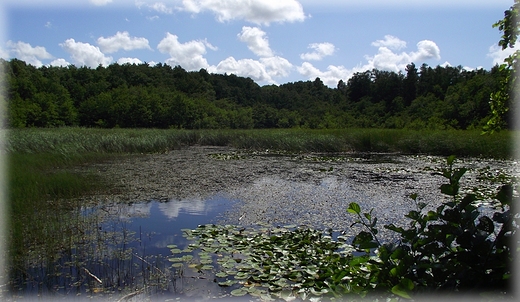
70, 141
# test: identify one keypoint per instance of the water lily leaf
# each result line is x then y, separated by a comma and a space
187, 257
207, 267
176, 259
221, 274
228, 283
178, 264
238, 292
241, 275
175, 251
171, 246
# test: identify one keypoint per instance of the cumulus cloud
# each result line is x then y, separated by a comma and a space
426, 50
256, 41
330, 77
255, 11
276, 66
100, 2
390, 42
59, 63
25, 52
321, 50
122, 61
122, 40
387, 58
244, 67
85, 54
498, 55
189, 55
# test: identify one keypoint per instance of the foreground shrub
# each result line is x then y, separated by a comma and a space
455, 249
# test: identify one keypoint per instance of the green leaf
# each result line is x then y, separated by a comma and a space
450, 160
354, 208
238, 292
402, 289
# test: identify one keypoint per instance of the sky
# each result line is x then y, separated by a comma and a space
270, 41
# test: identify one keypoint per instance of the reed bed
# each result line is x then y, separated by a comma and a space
69, 141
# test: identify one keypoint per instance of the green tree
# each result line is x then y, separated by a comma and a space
501, 99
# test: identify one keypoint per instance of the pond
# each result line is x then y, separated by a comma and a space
118, 246
115, 249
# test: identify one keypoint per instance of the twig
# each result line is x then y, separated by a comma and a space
93, 276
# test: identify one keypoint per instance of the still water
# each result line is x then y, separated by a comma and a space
114, 251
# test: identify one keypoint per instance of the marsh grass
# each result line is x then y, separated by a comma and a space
70, 141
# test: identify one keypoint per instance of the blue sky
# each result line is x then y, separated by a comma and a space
271, 41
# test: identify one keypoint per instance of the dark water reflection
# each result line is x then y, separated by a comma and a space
111, 250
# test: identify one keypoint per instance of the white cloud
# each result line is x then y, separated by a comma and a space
321, 50
59, 63
244, 67
189, 55
426, 50
276, 66
121, 40
156, 6
122, 61
329, 77
498, 55
85, 54
31, 55
391, 42
4, 54
255, 11
162, 8
384, 59
256, 41
100, 2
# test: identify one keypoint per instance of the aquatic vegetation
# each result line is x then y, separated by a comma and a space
452, 250
84, 140
267, 261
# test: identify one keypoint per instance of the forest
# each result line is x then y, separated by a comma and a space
162, 96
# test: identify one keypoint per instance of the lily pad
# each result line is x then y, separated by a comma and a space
228, 283
239, 292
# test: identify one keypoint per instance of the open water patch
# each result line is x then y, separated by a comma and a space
112, 250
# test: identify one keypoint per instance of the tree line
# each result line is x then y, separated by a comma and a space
162, 96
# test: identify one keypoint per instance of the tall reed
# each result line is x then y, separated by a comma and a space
68, 141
